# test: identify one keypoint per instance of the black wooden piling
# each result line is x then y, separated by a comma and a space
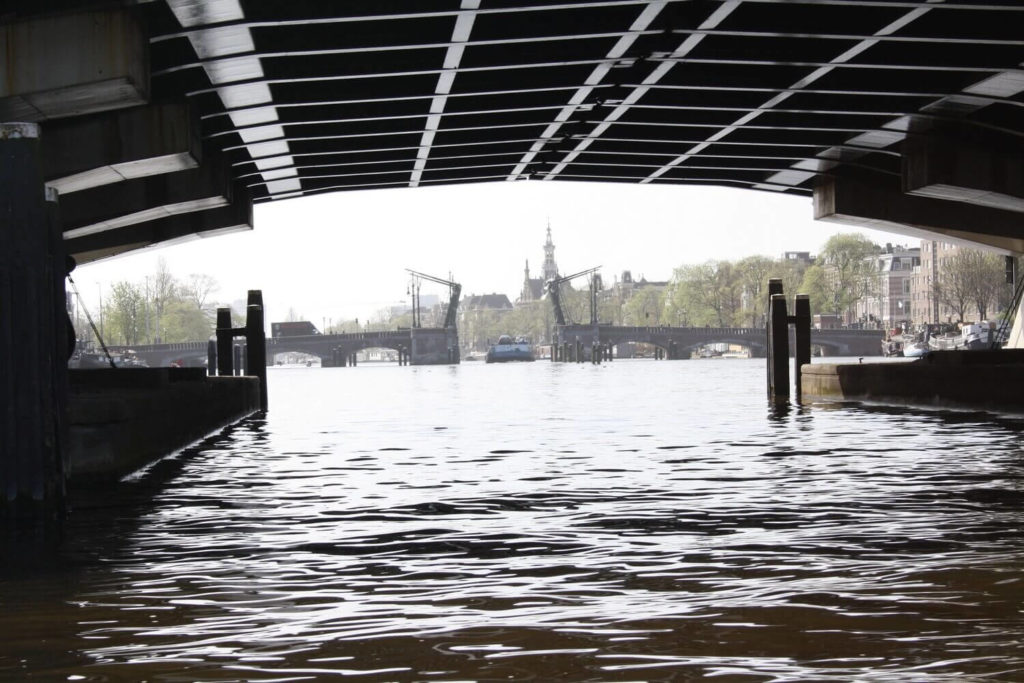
225, 342
774, 287
211, 357
778, 349
802, 322
256, 342
230, 359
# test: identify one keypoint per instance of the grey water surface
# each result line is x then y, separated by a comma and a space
634, 521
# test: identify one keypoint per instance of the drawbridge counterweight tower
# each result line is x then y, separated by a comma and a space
554, 289
454, 292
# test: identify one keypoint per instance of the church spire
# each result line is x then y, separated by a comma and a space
550, 268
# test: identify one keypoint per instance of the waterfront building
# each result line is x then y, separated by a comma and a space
887, 299
927, 303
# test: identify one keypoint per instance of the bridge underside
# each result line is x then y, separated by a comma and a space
166, 120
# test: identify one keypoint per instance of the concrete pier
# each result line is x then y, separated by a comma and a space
122, 420
979, 380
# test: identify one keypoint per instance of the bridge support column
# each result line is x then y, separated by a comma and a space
33, 341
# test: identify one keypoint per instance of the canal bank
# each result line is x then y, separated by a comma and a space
977, 380
121, 420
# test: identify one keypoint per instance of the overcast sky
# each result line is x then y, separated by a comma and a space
343, 255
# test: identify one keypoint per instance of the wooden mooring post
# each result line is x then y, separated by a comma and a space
255, 358
778, 341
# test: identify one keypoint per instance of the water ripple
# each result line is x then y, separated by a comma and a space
595, 526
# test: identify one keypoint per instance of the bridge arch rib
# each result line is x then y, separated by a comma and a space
812, 98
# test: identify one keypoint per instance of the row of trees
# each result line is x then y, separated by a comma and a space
160, 309
723, 293
719, 293
973, 279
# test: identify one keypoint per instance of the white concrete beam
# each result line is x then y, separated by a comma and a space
82, 153
235, 217
72, 64
111, 207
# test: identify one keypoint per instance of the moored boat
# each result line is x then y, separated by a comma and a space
915, 349
972, 337
509, 349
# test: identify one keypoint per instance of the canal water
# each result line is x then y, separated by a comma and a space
634, 521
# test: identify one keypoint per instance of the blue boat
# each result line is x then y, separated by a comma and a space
509, 349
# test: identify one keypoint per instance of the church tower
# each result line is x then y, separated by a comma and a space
550, 269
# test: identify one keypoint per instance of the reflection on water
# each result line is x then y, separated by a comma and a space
633, 521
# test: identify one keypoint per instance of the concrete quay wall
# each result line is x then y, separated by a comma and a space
988, 380
122, 420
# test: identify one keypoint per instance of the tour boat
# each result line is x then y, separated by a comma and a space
509, 349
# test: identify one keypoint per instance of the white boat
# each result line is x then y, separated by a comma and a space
915, 349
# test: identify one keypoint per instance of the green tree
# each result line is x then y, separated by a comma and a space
645, 308
124, 313
820, 289
989, 282
710, 293
971, 277
162, 289
184, 322
753, 273
849, 270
